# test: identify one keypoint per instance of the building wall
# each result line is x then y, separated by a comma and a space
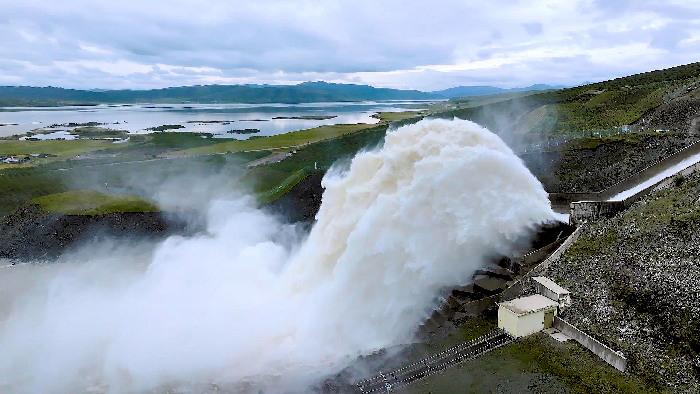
508, 321
520, 326
530, 323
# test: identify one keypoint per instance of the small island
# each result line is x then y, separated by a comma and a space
166, 127
243, 131
307, 117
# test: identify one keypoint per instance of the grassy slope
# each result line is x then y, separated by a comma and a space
268, 181
138, 156
598, 106
88, 202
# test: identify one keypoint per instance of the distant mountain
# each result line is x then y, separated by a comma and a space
255, 94
467, 91
307, 92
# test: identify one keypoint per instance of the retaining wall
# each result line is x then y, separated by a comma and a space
516, 289
616, 359
539, 254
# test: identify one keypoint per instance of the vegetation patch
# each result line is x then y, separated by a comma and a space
677, 207
98, 132
595, 142
88, 202
396, 116
282, 187
279, 141
593, 244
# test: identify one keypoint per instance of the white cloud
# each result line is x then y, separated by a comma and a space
407, 44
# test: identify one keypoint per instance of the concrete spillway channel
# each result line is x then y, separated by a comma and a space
605, 203
653, 180
434, 364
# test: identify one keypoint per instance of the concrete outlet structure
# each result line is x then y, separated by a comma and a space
584, 211
553, 291
527, 315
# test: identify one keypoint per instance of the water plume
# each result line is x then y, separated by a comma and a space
250, 305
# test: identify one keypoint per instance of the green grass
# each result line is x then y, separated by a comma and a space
568, 367
588, 141
174, 140
281, 188
599, 106
60, 149
478, 101
288, 140
88, 202
592, 244
676, 206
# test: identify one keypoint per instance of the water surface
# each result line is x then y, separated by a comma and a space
137, 118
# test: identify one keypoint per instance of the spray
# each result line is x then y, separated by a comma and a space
250, 305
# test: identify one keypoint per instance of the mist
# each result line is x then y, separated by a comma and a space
252, 304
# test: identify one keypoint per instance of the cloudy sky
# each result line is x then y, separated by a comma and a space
404, 43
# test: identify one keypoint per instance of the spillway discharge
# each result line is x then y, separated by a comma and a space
405, 221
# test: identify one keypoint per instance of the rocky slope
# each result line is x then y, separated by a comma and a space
635, 280
302, 202
597, 164
30, 234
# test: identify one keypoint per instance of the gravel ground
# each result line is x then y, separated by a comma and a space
635, 282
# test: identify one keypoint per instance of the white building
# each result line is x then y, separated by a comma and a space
553, 291
526, 315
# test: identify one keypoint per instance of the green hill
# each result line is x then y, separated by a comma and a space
600, 107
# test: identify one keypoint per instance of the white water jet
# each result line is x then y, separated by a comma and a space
422, 213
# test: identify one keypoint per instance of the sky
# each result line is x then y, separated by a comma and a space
409, 44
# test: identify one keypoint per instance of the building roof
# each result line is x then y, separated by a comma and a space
550, 284
529, 304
